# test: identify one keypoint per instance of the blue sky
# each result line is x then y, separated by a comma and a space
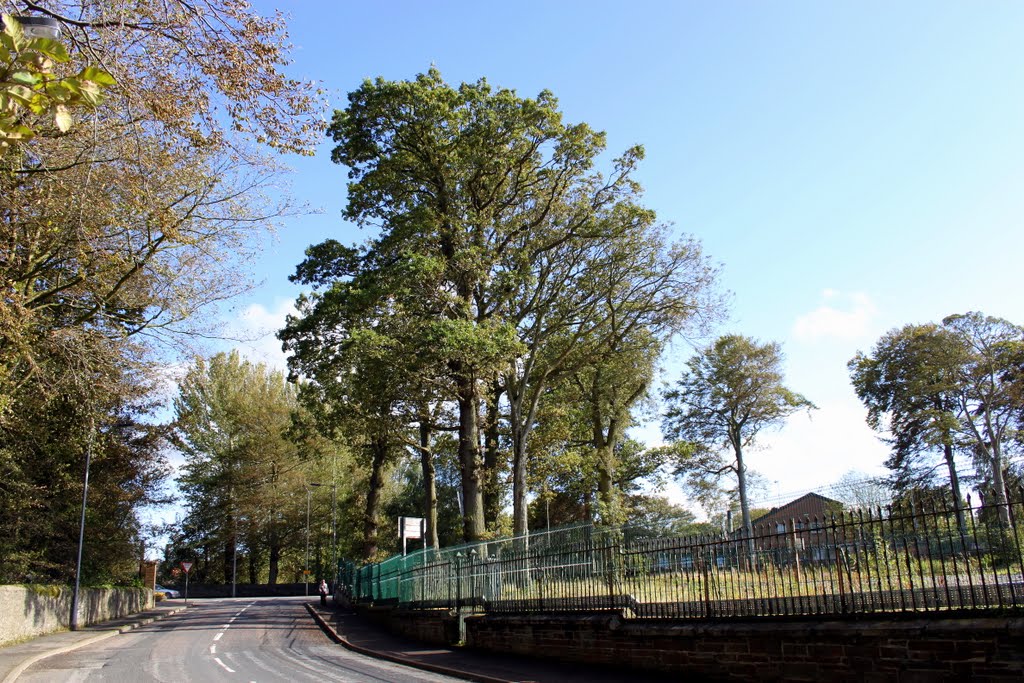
853, 166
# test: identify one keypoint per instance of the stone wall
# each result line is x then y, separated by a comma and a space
896, 649
29, 611
434, 627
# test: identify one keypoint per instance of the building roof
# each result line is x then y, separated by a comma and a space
797, 507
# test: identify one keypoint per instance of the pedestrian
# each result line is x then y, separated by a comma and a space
323, 592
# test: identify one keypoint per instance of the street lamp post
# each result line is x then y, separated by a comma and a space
305, 572
73, 625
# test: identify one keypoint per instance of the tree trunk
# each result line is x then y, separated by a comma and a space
473, 528
604, 446
379, 454
999, 484
520, 523
605, 489
741, 484
492, 460
275, 559
954, 484
429, 483
519, 520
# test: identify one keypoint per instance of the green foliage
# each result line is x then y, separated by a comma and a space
727, 395
29, 85
248, 459
44, 439
946, 389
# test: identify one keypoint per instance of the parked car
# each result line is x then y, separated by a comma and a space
169, 592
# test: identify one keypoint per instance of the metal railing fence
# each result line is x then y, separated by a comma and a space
928, 558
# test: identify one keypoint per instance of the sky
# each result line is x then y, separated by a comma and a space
851, 166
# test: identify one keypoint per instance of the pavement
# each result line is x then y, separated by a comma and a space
363, 636
351, 631
14, 659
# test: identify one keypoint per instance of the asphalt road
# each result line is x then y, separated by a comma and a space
240, 639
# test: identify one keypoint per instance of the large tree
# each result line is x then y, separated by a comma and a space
945, 387
726, 396
494, 220
470, 186
910, 385
987, 408
115, 232
598, 317
244, 470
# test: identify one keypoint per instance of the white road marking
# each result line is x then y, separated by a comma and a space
217, 637
226, 667
213, 649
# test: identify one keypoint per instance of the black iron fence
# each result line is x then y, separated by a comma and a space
928, 558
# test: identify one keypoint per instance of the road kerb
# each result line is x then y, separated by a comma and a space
404, 661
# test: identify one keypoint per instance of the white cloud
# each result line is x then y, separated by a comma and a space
840, 316
808, 453
258, 326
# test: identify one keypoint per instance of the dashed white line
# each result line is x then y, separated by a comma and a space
217, 637
213, 649
226, 667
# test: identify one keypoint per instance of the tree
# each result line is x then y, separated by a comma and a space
29, 88
244, 472
987, 411
860, 491
600, 321
44, 439
494, 220
657, 517
911, 385
139, 218
370, 361
116, 232
726, 396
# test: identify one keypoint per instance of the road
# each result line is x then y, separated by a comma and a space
235, 640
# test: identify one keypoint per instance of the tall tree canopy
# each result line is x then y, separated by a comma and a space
118, 227
727, 395
516, 258
910, 385
948, 387
245, 466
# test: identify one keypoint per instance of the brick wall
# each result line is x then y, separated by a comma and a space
919, 650
988, 650
434, 627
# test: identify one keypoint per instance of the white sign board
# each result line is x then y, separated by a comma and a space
186, 566
410, 527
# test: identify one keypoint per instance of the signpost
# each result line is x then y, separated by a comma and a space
185, 566
410, 527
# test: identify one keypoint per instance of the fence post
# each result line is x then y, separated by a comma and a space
458, 580
839, 567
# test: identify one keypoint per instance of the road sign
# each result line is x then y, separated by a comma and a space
186, 566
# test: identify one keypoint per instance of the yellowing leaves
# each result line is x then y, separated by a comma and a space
31, 88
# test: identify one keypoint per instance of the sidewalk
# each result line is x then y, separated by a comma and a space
362, 636
14, 659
